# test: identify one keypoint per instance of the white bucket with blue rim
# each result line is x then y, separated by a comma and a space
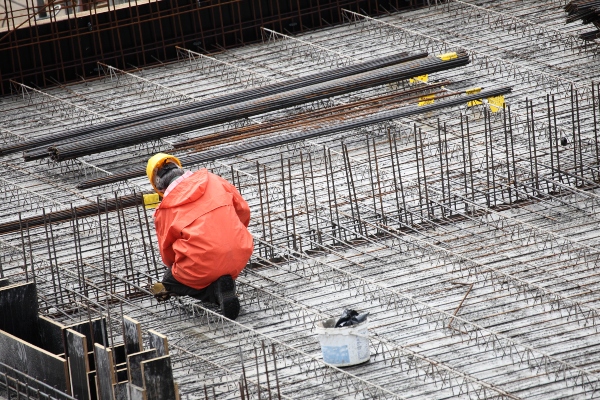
345, 346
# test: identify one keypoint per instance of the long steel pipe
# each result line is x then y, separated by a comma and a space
160, 129
217, 101
111, 204
211, 155
229, 151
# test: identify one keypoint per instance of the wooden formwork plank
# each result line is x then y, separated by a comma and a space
19, 312
51, 335
159, 342
121, 391
134, 365
78, 364
105, 372
94, 331
92, 385
177, 396
158, 379
132, 336
137, 393
34, 361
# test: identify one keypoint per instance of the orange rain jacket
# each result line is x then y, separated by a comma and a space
201, 228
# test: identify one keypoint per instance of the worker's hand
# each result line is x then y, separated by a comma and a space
159, 292
162, 297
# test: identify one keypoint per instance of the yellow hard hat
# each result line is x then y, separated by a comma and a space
155, 163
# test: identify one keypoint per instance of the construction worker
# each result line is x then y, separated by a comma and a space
201, 225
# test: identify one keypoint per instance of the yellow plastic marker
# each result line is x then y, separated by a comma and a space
420, 78
448, 56
496, 103
151, 200
427, 99
474, 90
473, 103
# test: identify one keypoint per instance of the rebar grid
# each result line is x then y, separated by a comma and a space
16, 383
548, 12
469, 236
540, 38
342, 380
55, 105
137, 84
238, 181
241, 76
485, 60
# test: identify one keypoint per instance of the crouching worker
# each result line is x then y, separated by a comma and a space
202, 235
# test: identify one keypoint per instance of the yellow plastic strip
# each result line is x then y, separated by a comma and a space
473, 103
151, 200
420, 78
496, 103
427, 99
447, 56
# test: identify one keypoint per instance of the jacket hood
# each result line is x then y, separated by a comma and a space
188, 190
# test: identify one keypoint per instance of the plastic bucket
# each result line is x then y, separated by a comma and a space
343, 347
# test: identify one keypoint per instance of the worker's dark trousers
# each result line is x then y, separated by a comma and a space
172, 285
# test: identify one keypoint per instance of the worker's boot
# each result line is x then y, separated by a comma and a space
226, 297
160, 292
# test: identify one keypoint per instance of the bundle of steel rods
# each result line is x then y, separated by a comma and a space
217, 101
203, 119
588, 11
211, 155
108, 205
318, 117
